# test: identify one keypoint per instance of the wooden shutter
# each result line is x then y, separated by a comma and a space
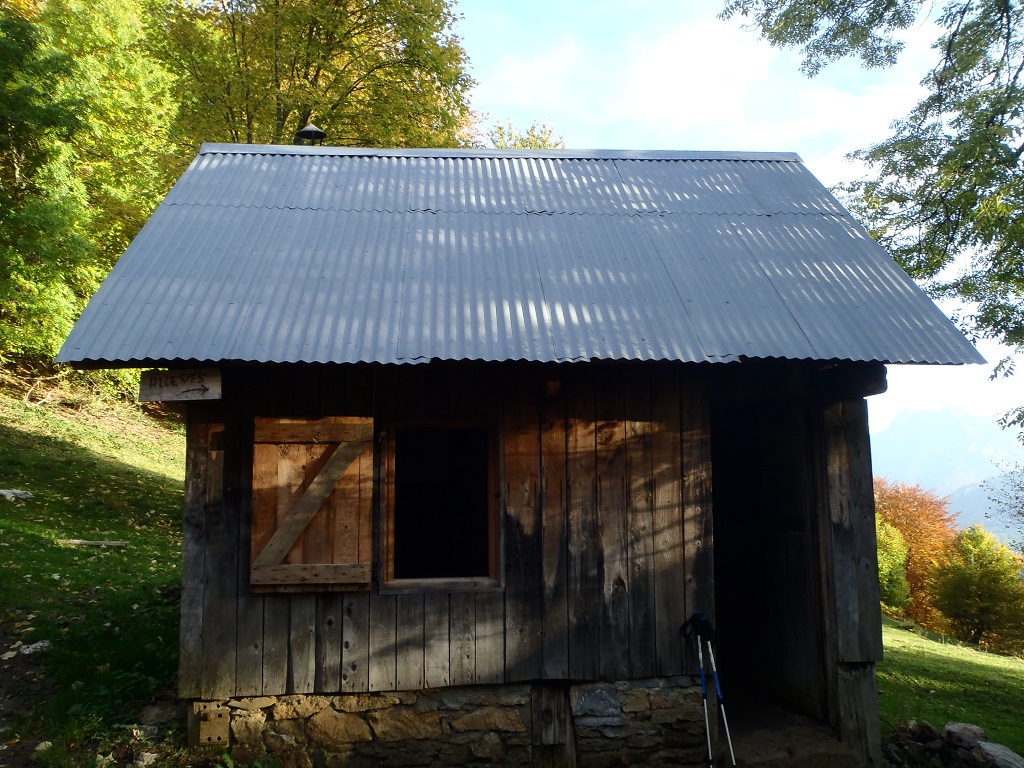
312, 483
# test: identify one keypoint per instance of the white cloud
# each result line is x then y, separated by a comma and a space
692, 77
530, 82
666, 78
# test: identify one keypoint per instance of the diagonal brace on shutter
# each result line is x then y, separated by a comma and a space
306, 507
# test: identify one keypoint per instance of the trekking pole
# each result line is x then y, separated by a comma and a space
699, 625
704, 695
692, 626
721, 703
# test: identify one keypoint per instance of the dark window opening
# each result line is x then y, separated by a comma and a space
441, 503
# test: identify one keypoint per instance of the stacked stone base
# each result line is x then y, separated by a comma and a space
958, 745
649, 722
646, 722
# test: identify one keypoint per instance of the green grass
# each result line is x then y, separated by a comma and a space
921, 678
101, 472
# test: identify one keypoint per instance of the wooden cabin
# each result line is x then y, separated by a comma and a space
472, 433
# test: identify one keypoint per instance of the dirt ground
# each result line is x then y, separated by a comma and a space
771, 736
23, 687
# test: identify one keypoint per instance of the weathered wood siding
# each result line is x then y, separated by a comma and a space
851, 572
605, 534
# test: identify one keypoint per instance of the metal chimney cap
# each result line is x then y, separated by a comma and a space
310, 132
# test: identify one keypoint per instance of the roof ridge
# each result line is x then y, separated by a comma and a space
527, 212
484, 153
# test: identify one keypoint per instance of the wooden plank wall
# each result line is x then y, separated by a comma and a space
605, 526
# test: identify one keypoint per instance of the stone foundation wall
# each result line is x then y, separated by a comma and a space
646, 722
649, 722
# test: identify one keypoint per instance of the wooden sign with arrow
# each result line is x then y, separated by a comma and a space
185, 384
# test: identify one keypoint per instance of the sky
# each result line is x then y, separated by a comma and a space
668, 74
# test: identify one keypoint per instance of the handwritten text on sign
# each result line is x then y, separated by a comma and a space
180, 385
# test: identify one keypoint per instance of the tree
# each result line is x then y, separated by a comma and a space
979, 588
892, 566
946, 195
384, 73
507, 136
125, 160
84, 159
927, 528
42, 209
1007, 494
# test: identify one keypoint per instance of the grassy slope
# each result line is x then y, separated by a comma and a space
926, 680
96, 472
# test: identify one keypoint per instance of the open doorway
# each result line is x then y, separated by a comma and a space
767, 588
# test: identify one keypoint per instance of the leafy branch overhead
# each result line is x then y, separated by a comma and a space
946, 190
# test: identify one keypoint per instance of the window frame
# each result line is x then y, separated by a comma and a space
494, 580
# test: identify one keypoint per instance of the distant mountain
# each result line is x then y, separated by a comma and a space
952, 453
943, 450
973, 507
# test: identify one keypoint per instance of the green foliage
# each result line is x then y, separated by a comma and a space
30, 76
537, 136
387, 73
124, 159
946, 195
922, 678
980, 590
84, 159
42, 209
892, 566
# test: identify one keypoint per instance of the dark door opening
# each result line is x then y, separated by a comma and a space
767, 586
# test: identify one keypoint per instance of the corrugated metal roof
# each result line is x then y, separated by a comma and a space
322, 254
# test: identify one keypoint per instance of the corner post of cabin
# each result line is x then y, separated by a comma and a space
203, 487
851, 555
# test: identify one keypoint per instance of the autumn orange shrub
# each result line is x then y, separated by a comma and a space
928, 527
